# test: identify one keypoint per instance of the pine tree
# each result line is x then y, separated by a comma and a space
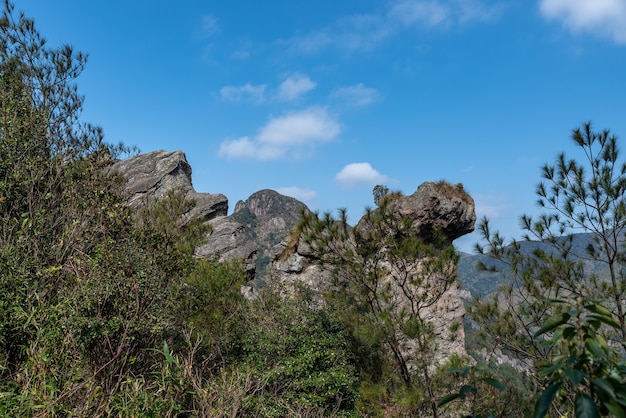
555, 291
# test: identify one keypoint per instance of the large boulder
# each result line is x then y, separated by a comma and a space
150, 176
437, 208
435, 211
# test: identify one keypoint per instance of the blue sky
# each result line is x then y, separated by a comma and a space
323, 100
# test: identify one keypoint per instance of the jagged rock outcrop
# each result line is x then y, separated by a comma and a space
435, 208
150, 176
440, 207
258, 231
268, 217
252, 233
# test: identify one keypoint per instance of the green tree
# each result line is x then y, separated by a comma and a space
300, 357
578, 197
586, 370
385, 281
84, 292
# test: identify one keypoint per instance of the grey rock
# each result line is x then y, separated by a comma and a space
433, 207
274, 215
268, 217
229, 241
150, 176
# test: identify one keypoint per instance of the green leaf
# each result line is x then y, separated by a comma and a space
494, 382
607, 319
465, 389
546, 371
167, 354
584, 406
544, 401
593, 346
603, 386
463, 371
616, 409
568, 332
599, 309
448, 398
574, 376
552, 323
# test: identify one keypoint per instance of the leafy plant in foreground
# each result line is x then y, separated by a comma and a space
586, 371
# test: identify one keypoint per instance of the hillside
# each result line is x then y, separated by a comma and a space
480, 282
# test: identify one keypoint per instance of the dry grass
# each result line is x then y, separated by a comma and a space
456, 190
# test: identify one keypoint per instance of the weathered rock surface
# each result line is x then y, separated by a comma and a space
440, 207
258, 231
229, 240
268, 217
150, 176
433, 207
253, 232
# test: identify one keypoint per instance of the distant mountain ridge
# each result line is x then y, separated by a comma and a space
481, 283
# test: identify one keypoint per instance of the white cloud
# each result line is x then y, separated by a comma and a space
244, 93
302, 194
290, 89
356, 96
432, 13
353, 33
249, 149
300, 128
606, 18
288, 135
209, 26
429, 13
364, 32
355, 173
294, 87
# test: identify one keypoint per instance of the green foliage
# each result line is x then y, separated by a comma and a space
578, 197
385, 278
210, 303
169, 217
383, 196
584, 366
301, 355
84, 292
482, 391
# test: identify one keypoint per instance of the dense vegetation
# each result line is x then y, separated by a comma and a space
104, 311
562, 319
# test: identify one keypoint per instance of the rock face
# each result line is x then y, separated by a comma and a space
251, 234
268, 217
258, 231
150, 176
440, 207
229, 240
435, 209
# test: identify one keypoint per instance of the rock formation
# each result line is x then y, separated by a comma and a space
258, 231
268, 216
439, 207
150, 176
250, 234
433, 207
